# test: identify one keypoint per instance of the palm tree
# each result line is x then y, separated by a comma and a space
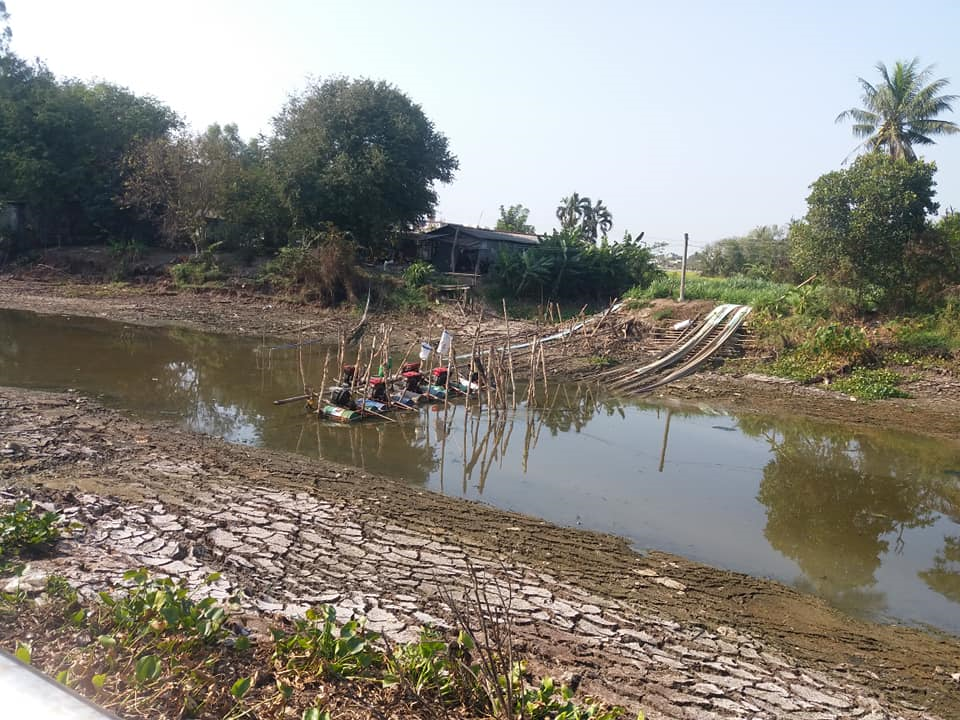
602, 217
570, 211
902, 111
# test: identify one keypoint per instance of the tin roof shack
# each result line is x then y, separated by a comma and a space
463, 249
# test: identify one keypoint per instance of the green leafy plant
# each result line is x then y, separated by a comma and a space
161, 607
316, 643
418, 274
24, 531
867, 384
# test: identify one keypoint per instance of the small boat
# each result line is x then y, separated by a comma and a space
340, 414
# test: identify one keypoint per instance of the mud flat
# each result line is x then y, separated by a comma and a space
679, 639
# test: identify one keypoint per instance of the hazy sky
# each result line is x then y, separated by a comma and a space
700, 117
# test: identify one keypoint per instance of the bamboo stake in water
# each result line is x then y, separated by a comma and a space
323, 383
513, 383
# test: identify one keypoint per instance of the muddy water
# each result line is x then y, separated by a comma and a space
868, 520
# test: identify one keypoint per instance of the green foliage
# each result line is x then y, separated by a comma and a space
580, 215
361, 155
321, 266
828, 350
24, 653
61, 150
5, 32
432, 668
552, 702
156, 635
937, 334
197, 270
739, 289
24, 531
563, 266
514, 219
762, 253
418, 274
403, 298
161, 607
901, 111
871, 384
865, 228
318, 645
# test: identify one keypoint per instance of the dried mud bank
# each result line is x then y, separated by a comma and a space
678, 639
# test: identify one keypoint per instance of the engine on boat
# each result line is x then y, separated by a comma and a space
378, 390
341, 397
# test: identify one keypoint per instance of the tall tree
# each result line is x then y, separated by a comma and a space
359, 154
184, 185
865, 226
579, 213
570, 211
514, 219
902, 111
61, 147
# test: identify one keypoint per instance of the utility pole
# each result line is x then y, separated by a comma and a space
683, 267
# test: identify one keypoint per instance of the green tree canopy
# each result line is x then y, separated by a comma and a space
902, 111
61, 146
763, 252
865, 226
514, 219
579, 213
359, 154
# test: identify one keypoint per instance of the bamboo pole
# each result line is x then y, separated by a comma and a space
513, 383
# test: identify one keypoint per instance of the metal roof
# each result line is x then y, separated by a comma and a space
451, 229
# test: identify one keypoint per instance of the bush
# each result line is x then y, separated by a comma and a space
562, 267
419, 274
829, 350
322, 266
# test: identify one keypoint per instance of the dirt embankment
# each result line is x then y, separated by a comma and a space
677, 638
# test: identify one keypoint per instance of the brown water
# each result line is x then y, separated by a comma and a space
868, 520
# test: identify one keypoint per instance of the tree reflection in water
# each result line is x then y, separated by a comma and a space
838, 500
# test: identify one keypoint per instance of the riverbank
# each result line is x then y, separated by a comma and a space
654, 631
933, 408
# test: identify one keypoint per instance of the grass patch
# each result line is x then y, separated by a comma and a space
739, 289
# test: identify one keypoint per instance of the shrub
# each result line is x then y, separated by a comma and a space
419, 274
321, 266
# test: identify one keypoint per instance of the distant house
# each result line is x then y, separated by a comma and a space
459, 248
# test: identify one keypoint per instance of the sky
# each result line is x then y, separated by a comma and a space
699, 117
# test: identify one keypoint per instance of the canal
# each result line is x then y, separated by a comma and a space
869, 520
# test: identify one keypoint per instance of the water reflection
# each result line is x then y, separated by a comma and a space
868, 520
838, 501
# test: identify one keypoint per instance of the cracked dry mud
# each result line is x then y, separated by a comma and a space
657, 632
